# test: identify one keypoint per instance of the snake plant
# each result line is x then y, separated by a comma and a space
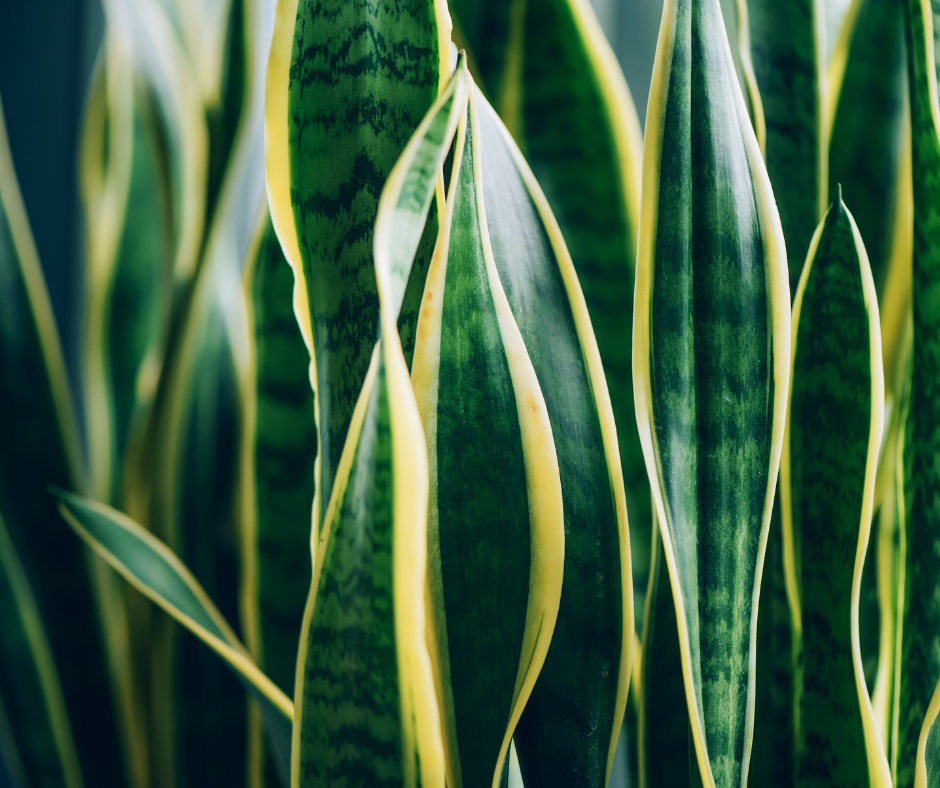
438, 427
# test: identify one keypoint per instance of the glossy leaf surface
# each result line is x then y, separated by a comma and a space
348, 83
830, 455
711, 365
155, 571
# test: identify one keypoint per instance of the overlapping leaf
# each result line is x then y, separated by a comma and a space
279, 448
711, 365
834, 429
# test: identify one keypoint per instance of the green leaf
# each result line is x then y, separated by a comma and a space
827, 478
278, 452
496, 535
711, 366
787, 52
40, 445
869, 151
556, 84
148, 565
347, 84
366, 707
664, 720
919, 646
29, 683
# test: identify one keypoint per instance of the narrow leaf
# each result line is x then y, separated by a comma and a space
278, 452
830, 455
711, 366
919, 638
148, 565
347, 85
788, 54
39, 446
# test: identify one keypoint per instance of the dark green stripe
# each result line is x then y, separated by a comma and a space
830, 421
285, 448
362, 76
868, 134
483, 507
783, 50
568, 724
351, 716
920, 647
711, 371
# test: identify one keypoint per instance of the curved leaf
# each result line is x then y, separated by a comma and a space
711, 365
29, 683
827, 478
495, 531
919, 638
366, 707
788, 54
278, 451
347, 84
554, 80
148, 565
40, 445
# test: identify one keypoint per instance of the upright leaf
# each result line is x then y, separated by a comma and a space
153, 569
40, 446
830, 455
553, 79
919, 625
711, 365
279, 446
347, 84
788, 53
366, 712
41, 736
495, 530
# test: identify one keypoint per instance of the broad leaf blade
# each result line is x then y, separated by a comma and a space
787, 52
155, 571
278, 452
834, 429
496, 537
571, 723
711, 365
919, 647
337, 117
40, 445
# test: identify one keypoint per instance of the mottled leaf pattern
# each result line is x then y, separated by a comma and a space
711, 364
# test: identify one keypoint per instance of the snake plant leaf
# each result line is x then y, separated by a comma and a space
347, 85
29, 683
869, 152
664, 721
834, 429
711, 367
570, 723
788, 56
555, 83
367, 712
40, 445
279, 446
495, 523
153, 569
919, 640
